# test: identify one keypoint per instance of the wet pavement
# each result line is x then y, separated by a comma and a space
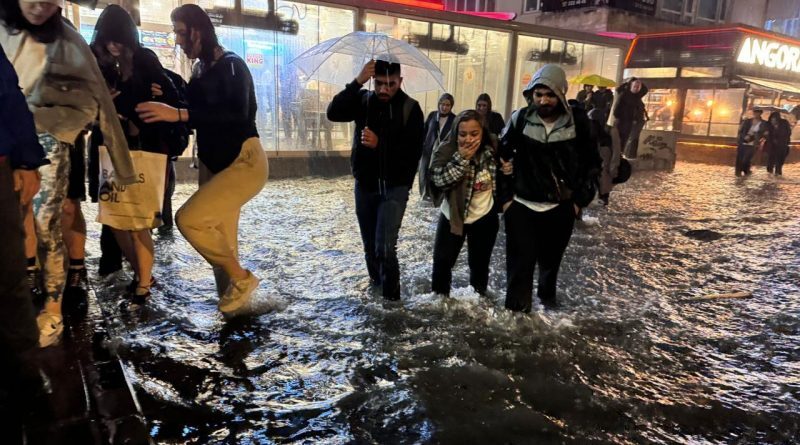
629, 358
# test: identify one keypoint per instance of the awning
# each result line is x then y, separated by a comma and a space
772, 84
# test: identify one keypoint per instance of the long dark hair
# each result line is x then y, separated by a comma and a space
195, 18
484, 97
115, 25
15, 22
472, 115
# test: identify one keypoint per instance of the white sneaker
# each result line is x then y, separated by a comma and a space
238, 295
51, 326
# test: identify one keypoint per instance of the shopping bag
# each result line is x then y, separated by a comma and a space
136, 206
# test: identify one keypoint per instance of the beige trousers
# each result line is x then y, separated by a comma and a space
209, 219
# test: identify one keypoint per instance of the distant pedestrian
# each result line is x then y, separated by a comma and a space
233, 166
584, 96
555, 166
437, 130
464, 170
777, 146
628, 117
494, 120
609, 154
385, 155
602, 99
751, 132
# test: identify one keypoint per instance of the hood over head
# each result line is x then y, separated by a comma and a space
625, 87
553, 77
116, 25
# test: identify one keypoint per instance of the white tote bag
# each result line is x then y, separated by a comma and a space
136, 206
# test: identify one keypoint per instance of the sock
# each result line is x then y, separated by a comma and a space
76, 263
32, 263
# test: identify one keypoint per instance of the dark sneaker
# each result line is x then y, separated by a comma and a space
35, 284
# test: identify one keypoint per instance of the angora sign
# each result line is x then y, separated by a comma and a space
770, 54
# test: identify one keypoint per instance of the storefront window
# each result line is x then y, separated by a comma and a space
712, 112
651, 73
707, 9
481, 70
661, 105
672, 5
701, 72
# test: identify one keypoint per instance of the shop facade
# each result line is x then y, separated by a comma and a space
475, 54
704, 82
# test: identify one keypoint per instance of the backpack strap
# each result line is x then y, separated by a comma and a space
519, 124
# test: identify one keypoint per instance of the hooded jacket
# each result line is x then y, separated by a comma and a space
18, 139
454, 176
556, 167
71, 94
396, 158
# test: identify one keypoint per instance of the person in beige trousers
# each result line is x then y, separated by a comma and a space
233, 165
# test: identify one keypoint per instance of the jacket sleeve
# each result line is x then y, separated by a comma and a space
414, 138
505, 151
113, 136
238, 86
346, 106
20, 131
448, 166
156, 74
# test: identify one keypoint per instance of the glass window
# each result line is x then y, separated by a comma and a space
531, 5
672, 5
701, 72
157, 11
651, 73
726, 112
713, 112
661, 105
707, 9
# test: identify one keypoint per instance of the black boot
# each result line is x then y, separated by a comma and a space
75, 293
35, 283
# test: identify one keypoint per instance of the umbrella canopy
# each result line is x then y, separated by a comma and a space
339, 60
769, 108
594, 79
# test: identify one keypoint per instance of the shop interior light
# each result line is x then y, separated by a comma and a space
670, 103
697, 113
710, 103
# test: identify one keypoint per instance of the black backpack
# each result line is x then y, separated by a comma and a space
176, 137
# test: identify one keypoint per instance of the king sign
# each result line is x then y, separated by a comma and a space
770, 54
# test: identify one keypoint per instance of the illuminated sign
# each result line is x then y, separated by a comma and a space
770, 54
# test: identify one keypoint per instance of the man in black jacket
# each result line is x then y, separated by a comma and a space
555, 166
387, 146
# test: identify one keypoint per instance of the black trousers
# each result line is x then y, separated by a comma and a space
535, 238
166, 212
777, 156
480, 237
18, 329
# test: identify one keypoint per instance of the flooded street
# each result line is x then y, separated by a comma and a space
629, 358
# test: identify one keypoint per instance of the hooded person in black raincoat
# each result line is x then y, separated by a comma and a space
628, 116
555, 167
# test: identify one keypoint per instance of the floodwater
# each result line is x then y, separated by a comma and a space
629, 358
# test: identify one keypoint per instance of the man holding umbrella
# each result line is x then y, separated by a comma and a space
387, 146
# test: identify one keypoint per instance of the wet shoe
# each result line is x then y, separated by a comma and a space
35, 284
75, 293
51, 328
139, 299
130, 289
550, 304
238, 295
108, 267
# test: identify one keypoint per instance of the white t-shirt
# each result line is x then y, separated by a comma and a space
533, 205
482, 199
442, 122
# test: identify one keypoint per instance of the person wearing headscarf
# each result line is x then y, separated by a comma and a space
437, 129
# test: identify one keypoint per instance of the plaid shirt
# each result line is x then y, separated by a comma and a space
460, 168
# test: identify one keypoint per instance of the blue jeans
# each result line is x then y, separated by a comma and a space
379, 218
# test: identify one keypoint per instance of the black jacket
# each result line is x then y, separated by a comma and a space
432, 133
778, 138
544, 171
399, 148
744, 129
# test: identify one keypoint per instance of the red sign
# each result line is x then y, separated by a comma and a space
254, 59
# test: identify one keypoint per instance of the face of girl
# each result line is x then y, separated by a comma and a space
469, 132
445, 106
114, 48
37, 13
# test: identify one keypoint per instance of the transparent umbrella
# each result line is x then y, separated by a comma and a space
339, 60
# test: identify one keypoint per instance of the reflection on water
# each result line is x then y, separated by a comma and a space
627, 359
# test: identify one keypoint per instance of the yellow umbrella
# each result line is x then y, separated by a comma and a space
594, 79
